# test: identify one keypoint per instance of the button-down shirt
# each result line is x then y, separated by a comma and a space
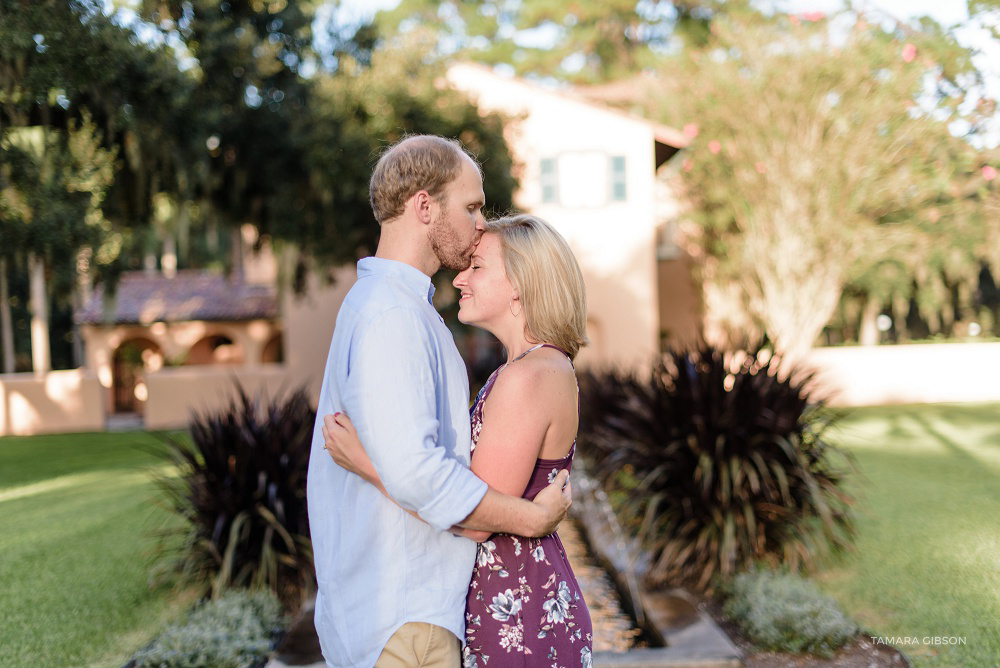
394, 369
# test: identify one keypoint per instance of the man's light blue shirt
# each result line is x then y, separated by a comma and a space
394, 369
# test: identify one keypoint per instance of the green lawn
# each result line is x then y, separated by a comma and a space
77, 513
927, 557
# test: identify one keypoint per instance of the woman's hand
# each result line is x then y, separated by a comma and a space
343, 444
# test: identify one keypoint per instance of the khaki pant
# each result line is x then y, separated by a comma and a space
418, 644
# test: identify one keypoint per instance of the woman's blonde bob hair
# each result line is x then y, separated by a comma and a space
543, 269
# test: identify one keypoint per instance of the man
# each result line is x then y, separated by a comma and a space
392, 588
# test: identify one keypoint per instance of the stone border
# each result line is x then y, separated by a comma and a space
690, 637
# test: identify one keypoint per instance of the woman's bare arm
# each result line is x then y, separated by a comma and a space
524, 408
342, 442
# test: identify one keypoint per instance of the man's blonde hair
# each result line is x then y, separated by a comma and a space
414, 163
541, 265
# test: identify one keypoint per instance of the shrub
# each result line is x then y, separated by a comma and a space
234, 631
783, 612
241, 491
716, 461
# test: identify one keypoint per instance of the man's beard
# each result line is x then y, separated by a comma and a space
447, 247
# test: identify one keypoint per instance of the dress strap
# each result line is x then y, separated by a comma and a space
540, 345
485, 391
555, 347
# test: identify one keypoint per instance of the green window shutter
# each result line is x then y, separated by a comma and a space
549, 181
619, 191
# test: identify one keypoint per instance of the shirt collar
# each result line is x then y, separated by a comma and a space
411, 277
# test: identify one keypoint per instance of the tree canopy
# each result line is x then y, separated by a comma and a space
583, 42
828, 176
822, 160
134, 138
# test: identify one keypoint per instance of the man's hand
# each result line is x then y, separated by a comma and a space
553, 502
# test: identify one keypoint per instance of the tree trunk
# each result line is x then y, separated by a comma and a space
796, 286
41, 361
869, 334
236, 251
6, 325
900, 312
81, 296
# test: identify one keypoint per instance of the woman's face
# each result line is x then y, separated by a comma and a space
486, 292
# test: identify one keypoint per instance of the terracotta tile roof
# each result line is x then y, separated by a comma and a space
144, 298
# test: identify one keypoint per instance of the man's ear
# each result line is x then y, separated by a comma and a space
422, 204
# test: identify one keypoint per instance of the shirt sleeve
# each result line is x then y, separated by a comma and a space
391, 396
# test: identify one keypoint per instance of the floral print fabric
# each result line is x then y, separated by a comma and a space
524, 606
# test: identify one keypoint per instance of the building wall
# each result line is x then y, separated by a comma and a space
614, 241
176, 393
679, 306
308, 323
174, 341
907, 374
55, 402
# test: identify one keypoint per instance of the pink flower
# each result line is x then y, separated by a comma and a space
909, 53
760, 167
793, 19
989, 172
715, 146
691, 130
813, 16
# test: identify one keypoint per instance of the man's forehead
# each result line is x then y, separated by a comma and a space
470, 180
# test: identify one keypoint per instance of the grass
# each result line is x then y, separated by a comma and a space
926, 563
77, 515
77, 510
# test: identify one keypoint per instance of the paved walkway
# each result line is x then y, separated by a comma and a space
614, 630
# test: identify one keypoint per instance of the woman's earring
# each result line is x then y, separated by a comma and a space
510, 305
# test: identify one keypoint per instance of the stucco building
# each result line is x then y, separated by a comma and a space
591, 171
193, 318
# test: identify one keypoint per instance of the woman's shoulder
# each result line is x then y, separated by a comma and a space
536, 374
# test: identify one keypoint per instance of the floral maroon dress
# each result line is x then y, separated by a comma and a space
524, 606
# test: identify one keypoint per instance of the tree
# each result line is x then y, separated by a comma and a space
55, 184
366, 106
200, 118
54, 167
578, 41
242, 160
813, 162
291, 154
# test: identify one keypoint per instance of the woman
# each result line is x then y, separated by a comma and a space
524, 607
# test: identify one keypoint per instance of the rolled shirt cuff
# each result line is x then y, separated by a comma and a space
454, 504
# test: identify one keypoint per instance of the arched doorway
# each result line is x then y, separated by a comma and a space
274, 350
131, 361
215, 349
